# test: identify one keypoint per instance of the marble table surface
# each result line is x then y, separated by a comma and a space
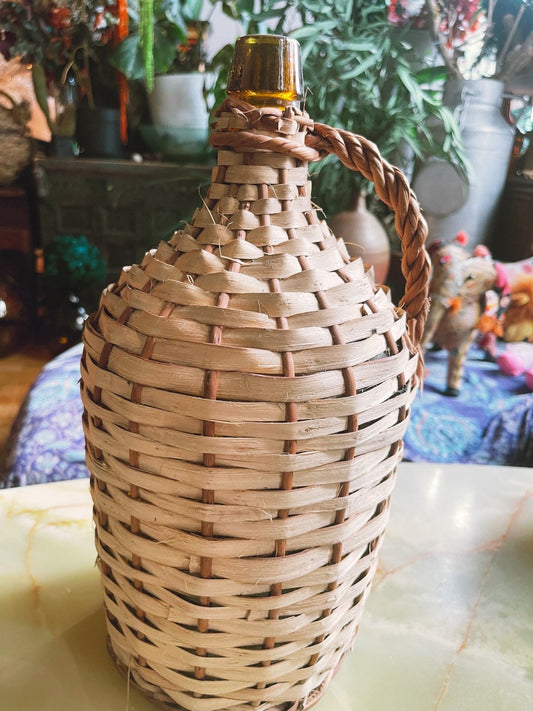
448, 625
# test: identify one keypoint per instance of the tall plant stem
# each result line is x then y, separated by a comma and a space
510, 36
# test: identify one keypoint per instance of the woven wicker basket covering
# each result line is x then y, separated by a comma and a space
246, 389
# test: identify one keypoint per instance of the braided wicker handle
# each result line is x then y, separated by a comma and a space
360, 155
392, 187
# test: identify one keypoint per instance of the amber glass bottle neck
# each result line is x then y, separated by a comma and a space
266, 71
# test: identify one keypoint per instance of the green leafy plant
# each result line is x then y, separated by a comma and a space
74, 274
72, 263
164, 36
363, 75
58, 39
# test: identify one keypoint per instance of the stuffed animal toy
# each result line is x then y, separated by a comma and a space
497, 299
518, 322
517, 359
457, 291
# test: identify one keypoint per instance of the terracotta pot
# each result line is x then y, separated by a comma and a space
364, 236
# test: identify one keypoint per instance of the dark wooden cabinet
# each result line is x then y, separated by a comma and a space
512, 239
19, 242
15, 220
122, 207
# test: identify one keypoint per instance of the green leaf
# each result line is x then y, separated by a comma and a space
359, 45
312, 30
430, 75
41, 93
128, 58
359, 69
244, 8
193, 9
169, 9
410, 84
164, 50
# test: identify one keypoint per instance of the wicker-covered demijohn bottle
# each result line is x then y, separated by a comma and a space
246, 389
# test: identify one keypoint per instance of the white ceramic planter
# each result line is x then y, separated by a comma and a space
180, 119
177, 101
449, 204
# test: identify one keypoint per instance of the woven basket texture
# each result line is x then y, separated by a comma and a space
246, 389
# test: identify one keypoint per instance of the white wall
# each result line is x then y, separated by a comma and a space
223, 31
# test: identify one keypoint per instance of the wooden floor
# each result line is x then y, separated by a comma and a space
17, 373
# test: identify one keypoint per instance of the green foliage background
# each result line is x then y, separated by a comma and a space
363, 75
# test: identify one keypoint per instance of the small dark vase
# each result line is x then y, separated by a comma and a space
98, 132
63, 321
16, 301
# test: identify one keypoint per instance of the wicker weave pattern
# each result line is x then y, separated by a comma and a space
246, 390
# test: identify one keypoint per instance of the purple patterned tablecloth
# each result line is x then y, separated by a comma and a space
490, 422
46, 442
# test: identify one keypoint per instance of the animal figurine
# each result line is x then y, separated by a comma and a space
490, 324
457, 291
518, 322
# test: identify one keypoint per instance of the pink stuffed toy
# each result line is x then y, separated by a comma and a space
490, 324
518, 361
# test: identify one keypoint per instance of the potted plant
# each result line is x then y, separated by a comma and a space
165, 50
364, 76
165, 36
486, 50
74, 276
67, 46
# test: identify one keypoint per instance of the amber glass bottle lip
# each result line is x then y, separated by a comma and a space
267, 69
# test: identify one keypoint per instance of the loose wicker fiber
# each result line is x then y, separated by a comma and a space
246, 389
